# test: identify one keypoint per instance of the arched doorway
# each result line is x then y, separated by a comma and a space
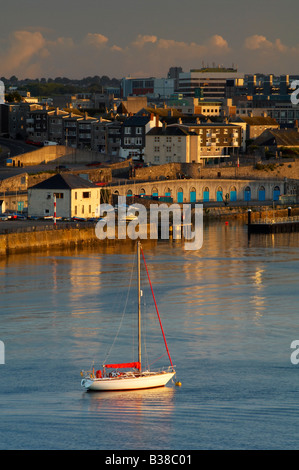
180, 195
155, 192
247, 193
262, 193
219, 194
192, 195
276, 193
233, 193
206, 194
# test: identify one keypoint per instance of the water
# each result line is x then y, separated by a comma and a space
229, 311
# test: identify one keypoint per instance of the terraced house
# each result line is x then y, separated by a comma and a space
193, 143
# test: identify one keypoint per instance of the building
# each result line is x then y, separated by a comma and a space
169, 144
276, 140
216, 139
191, 143
106, 136
37, 124
209, 83
55, 125
13, 190
256, 125
195, 106
133, 135
152, 87
75, 197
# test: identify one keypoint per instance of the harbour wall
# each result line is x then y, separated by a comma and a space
37, 239
27, 237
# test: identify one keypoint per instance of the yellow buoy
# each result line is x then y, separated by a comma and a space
178, 384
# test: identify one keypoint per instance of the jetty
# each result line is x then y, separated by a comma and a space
274, 224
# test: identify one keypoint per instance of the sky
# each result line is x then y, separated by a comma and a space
121, 38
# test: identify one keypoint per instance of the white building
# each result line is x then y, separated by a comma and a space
75, 197
209, 83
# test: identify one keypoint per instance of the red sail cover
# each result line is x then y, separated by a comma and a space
123, 365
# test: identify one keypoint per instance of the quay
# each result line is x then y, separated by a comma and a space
273, 224
19, 236
277, 225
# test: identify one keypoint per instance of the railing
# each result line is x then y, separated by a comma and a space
277, 220
43, 227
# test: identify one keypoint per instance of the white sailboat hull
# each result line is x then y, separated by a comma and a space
150, 380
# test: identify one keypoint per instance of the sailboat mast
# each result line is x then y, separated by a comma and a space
139, 309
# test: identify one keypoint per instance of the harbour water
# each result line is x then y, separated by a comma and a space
230, 314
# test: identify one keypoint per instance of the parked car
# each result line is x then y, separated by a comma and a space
32, 142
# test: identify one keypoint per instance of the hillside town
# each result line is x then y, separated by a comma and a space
210, 135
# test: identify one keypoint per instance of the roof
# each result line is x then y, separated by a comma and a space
64, 181
259, 120
278, 137
169, 130
137, 120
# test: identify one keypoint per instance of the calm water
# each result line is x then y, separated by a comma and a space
230, 313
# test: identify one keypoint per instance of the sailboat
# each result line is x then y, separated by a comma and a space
130, 375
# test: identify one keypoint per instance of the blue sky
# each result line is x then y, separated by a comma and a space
120, 38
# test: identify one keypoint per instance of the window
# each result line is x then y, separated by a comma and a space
157, 139
82, 209
138, 130
127, 130
156, 149
86, 194
58, 195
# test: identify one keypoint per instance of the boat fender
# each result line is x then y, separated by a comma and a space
178, 384
98, 374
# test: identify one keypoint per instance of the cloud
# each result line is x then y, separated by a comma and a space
257, 42
261, 43
218, 42
266, 56
141, 40
29, 53
96, 39
24, 47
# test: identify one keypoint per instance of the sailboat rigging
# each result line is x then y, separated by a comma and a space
136, 378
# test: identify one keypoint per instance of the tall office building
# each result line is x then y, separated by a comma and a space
209, 83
